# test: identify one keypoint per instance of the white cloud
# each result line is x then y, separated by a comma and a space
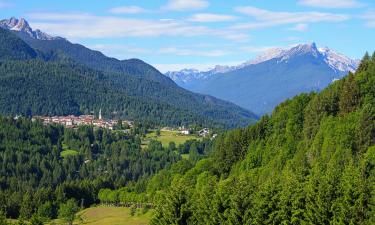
300, 27
193, 52
265, 18
209, 17
83, 25
369, 17
185, 5
127, 10
331, 3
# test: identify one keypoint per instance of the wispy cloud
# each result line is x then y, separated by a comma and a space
209, 17
4, 4
369, 17
265, 18
60, 17
193, 52
84, 25
331, 3
300, 27
120, 49
185, 5
127, 10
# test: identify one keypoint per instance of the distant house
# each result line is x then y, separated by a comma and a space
167, 129
204, 132
185, 132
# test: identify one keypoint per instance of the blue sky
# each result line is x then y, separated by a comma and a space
174, 34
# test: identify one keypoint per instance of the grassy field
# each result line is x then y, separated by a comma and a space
168, 136
68, 152
103, 215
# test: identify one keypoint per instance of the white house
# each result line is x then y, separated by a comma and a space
185, 132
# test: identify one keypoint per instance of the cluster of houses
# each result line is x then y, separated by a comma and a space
72, 121
205, 132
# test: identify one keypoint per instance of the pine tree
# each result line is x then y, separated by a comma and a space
350, 95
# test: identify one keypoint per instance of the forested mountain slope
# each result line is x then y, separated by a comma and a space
14, 48
52, 83
311, 162
97, 60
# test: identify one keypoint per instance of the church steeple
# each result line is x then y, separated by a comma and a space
100, 114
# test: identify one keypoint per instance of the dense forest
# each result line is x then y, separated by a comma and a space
60, 81
36, 178
311, 162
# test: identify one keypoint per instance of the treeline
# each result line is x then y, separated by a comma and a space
36, 178
311, 162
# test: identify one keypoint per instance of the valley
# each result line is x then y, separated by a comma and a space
187, 112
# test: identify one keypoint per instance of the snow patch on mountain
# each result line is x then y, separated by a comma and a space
338, 61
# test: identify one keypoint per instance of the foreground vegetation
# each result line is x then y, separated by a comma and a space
311, 162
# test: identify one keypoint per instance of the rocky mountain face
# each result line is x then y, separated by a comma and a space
22, 26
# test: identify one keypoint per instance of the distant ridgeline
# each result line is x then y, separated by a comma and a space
42, 75
311, 162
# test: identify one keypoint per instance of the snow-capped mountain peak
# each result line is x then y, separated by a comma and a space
335, 60
339, 63
21, 25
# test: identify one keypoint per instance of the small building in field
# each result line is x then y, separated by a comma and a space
204, 132
185, 131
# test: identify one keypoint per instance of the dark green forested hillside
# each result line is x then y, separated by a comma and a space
97, 60
48, 88
311, 162
14, 48
52, 83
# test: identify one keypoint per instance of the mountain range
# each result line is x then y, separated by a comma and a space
261, 84
45, 75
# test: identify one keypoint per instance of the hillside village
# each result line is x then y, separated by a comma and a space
72, 121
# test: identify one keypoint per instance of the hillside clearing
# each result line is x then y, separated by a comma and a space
106, 215
168, 136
